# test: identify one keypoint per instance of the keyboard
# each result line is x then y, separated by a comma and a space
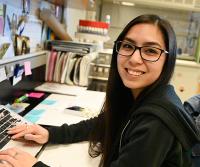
8, 119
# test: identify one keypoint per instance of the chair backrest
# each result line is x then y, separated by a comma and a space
192, 106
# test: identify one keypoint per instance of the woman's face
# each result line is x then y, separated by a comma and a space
135, 72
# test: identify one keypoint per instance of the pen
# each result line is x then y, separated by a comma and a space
22, 99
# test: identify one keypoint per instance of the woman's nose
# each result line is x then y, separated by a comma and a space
136, 57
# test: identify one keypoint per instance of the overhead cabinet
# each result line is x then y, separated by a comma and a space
188, 5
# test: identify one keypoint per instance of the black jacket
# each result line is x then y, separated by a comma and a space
159, 133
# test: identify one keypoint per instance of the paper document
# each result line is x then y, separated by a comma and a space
56, 113
61, 88
91, 100
68, 154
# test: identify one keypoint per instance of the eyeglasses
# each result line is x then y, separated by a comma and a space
147, 53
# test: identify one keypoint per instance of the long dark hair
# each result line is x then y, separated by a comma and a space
119, 99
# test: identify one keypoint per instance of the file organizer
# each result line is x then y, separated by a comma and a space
68, 68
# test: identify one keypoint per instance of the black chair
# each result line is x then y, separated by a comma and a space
192, 106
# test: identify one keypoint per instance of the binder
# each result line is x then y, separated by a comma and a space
77, 71
59, 68
84, 71
70, 70
55, 75
51, 66
65, 67
85, 68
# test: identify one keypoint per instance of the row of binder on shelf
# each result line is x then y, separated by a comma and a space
68, 68
72, 46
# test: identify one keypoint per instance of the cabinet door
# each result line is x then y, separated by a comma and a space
186, 81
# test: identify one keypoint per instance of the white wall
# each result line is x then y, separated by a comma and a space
73, 12
121, 15
18, 4
71, 18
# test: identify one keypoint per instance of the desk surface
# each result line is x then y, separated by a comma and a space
70, 154
91, 100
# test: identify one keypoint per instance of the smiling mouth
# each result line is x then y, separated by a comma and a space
134, 73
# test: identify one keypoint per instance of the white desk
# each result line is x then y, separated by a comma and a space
57, 115
75, 155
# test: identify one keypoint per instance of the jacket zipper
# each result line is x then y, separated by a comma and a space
120, 142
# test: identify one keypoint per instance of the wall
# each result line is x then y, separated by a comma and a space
121, 15
74, 11
33, 26
38, 59
18, 4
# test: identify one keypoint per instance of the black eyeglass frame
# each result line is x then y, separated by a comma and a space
139, 48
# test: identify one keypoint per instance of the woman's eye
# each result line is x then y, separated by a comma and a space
126, 46
151, 51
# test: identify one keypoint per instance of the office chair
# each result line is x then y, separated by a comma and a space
192, 106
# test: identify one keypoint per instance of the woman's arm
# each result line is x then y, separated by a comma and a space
73, 133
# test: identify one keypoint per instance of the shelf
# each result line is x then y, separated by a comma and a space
170, 4
37, 59
106, 51
91, 37
98, 78
102, 65
187, 63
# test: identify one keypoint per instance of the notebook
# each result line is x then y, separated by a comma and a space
9, 119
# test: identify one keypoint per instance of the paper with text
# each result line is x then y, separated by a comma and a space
56, 114
61, 88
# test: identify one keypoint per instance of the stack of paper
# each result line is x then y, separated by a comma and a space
60, 88
72, 46
55, 108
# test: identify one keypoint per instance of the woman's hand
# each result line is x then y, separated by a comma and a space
14, 157
32, 132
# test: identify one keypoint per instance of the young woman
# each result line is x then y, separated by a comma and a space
143, 123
